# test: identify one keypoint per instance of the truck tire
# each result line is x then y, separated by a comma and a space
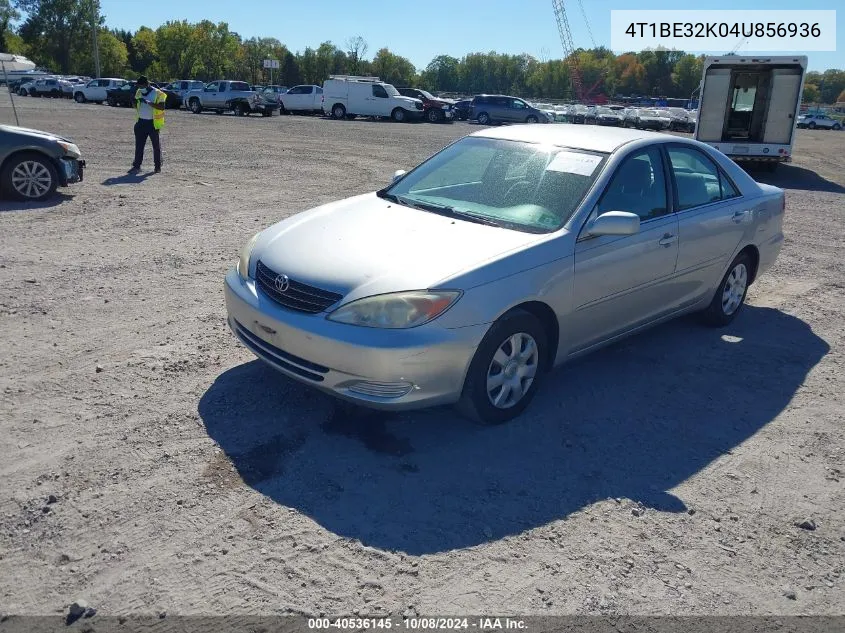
241, 109
338, 112
399, 115
195, 106
79, 97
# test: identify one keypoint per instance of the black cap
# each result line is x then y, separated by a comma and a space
142, 80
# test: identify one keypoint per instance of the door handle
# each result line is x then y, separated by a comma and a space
667, 240
738, 216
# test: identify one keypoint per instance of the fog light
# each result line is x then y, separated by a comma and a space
381, 389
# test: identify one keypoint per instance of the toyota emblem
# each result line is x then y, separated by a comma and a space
282, 283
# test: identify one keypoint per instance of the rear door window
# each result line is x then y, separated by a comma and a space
698, 180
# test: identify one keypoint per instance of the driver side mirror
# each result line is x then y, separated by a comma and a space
614, 223
398, 174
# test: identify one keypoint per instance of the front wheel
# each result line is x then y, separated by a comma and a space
195, 106
812, 125
29, 176
837, 127
531, 119
505, 371
241, 110
730, 295
433, 116
112, 102
399, 115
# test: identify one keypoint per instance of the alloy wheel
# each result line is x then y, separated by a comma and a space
31, 179
512, 370
734, 290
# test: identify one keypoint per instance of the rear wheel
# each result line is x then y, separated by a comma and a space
111, 101
531, 119
837, 127
241, 109
29, 176
505, 371
194, 105
730, 295
812, 125
338, 111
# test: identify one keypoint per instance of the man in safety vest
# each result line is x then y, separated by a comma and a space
149, 104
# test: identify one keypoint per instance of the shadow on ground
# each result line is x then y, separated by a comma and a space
55, 200
631, 421
127, 179
791, 177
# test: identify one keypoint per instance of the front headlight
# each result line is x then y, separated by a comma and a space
397, 310
244, 255
70, 148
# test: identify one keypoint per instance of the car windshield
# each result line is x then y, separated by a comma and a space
390, 90
604, 111
427, 95
522, 186
649, 113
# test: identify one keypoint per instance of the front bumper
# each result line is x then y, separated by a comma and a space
382, 369
72, 170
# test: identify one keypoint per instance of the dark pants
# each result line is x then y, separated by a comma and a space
144, 128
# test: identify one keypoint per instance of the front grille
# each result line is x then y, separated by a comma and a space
297, 296
381, 389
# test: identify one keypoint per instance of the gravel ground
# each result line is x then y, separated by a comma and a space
151, 464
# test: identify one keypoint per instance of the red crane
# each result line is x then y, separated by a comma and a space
569, 50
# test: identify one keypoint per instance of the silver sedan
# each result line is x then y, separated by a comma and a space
502, 256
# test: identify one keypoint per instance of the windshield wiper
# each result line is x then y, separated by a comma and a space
446, 210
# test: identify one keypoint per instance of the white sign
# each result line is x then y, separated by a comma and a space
271, 63
719, 31
574, 163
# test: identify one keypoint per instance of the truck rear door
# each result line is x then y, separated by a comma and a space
714, 101
780, 119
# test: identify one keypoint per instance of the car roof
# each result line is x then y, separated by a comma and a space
599, 139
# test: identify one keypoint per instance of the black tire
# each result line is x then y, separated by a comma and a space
28, 162
532, 119
433, 116
836, 127
195, 106
399, 115
111, 102
266, 113
240, 109
338, 112
351, 117
475, 402
717, 313
483, 119
79, 97
812, 125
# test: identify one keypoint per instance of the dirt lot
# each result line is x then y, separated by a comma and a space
151, 464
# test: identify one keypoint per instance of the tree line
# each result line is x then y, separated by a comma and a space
58, 34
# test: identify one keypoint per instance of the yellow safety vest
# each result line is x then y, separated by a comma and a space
157, 115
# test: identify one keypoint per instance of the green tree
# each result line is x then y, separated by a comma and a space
143, 50
832, 82
8, 14
687, 74
114, 57
442, 73
57, 30
393, 68
811, 93
356, 52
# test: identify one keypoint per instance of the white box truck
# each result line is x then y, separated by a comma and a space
749, 107
347, 96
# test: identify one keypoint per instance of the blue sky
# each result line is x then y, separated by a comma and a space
419, 32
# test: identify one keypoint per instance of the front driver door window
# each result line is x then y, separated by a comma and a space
624, 281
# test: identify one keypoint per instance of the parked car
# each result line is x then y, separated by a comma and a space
345, 97
692, 120
590, 115
434, 110
651, 119
813, 121
678, 119
606, 116
461, 109
223, 96
468, 278
96, 90
274, 94
184, 86
34, 163
125, 96
561, 113
307, 98
578, 113
48, 87
25, 86
490, 109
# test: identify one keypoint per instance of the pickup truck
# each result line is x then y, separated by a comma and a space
224, 96
95, 90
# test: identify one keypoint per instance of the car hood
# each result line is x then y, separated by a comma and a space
410, 100
365, 245
39, 134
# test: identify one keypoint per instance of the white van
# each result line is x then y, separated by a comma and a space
346, 96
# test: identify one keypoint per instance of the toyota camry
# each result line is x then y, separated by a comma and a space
504, 255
